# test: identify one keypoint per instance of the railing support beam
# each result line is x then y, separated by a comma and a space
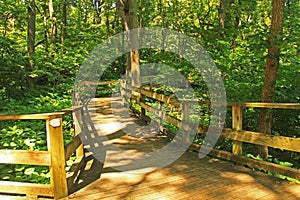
237, 146
56, 148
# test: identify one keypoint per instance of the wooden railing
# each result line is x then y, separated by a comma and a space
55, 157
236, 134
57, 154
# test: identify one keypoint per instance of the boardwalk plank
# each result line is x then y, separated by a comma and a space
187, 178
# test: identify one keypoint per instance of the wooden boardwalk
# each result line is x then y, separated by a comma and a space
188, 177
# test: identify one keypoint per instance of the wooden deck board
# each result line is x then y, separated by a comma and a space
188, 177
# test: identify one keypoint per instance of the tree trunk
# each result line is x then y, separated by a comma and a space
31, 36
107, 22
236, 27
272, 65
45, 11
53, 23
134, 54
222, 15
64, 23
128, 12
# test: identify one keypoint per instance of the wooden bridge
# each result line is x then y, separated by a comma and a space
110, 146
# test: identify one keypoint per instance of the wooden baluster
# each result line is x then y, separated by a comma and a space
122, 91
55, 146
160, 116
237, 146
77, 130
143, 111
185, 120
77, 122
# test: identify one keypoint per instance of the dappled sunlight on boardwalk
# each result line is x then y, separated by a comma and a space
186, 178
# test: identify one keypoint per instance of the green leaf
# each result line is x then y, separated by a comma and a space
19, 168
6, 171
7, 177
29, 171
12, 144
280, 176
293, 180
286, 164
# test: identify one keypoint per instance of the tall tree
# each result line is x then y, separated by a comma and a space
31, 26
45, 12
236, 27
64, 22
107, 22
272, 65
229, 20
128, 12
53, 23
223, 13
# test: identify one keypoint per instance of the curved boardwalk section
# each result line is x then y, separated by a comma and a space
122, 141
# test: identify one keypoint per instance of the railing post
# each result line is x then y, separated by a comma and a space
55, 146
160, 115
237, 146
143, 111
122, 91
77, 122
185, 120
77, 130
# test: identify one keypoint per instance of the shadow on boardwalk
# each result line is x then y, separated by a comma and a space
187, 178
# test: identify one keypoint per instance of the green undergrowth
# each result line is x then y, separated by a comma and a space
25, 173
278, 162
30, 134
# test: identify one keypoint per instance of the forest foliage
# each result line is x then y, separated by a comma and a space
238, 46
234, 33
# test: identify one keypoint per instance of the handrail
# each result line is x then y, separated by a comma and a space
236, 134
266, 105
55, 157
248, 104
99, 83
172, 100
32, 116
41, 115
57, 153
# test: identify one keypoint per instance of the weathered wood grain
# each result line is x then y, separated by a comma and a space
25, 157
